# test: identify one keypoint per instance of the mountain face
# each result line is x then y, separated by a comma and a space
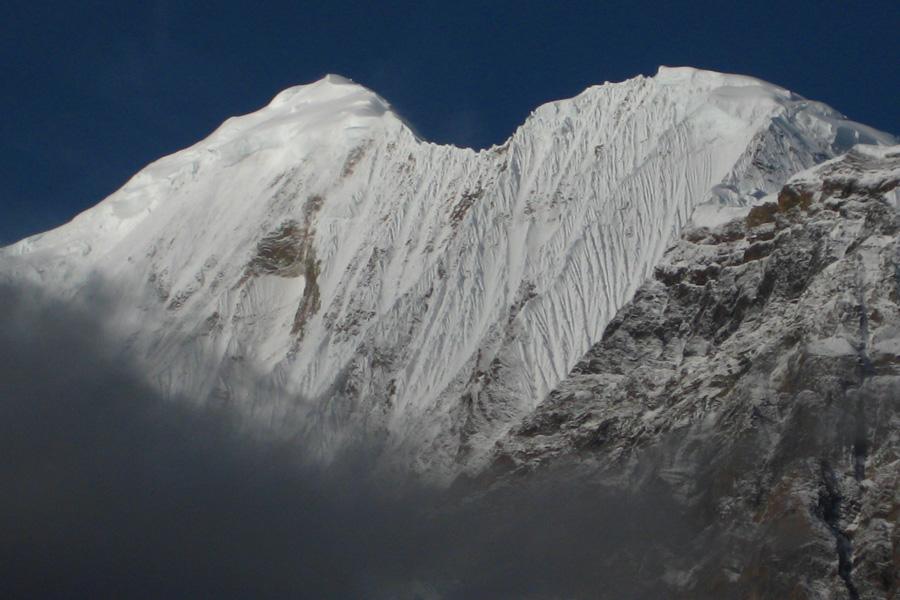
322, 270
755, 380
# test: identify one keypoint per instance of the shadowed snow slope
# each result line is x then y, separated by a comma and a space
321, 269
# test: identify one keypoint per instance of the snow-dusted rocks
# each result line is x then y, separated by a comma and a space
321, 269
755, 378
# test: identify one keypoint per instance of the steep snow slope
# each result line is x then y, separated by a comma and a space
317, 266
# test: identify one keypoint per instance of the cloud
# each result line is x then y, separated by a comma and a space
111, 491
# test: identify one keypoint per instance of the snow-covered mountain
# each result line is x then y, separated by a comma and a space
318, 267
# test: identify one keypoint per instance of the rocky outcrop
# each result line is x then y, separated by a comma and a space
756, 378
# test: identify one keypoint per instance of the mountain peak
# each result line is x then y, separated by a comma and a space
328, 88
333, 107
336, 79
711, 79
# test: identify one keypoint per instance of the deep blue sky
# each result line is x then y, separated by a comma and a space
93, 91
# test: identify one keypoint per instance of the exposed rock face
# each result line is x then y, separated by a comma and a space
756, 377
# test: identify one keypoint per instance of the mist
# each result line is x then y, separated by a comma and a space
110, 490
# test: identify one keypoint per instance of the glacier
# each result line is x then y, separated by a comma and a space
332, 277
